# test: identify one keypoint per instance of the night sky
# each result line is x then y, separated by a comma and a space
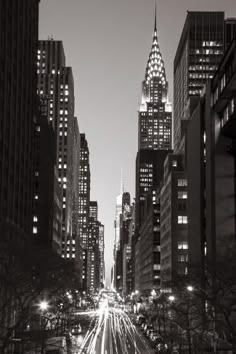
107, 43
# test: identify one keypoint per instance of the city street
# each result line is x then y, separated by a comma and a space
114, 333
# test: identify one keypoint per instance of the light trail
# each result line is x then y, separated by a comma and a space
113, 332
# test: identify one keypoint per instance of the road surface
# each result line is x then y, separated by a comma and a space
113, 333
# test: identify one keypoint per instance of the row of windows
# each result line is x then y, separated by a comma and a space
182, 182
183, 258
182, 245
228, 111
182, 219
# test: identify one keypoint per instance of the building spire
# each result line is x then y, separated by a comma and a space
121, 182
155, 23
155, 65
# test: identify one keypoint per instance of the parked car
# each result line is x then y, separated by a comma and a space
147, 328
76, 329
142, 326
140, 319
161, 348
153, 335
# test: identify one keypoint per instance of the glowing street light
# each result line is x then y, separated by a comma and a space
43, 305
153, 293
171, 298
190, 288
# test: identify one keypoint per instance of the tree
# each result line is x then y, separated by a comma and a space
28, 273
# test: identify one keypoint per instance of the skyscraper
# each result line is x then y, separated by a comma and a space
205, 37
55, 81
47, 216
18, 109
154, 143
93, 248
154, 124
101, 256
199, 52
83, 205
84, 190
116, 251
173, 222
155, 109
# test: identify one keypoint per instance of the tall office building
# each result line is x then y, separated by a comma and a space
126, 238
154, 144
92, 247
75, 246
124, 220
18, 109
155, 110
199, 52
117, 226
84, 190
173, 223
47, 208
93, 250
154, 122
211, 142
204, 39
55, 81
83, 205
101, 256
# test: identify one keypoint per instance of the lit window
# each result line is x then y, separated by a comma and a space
35, 230
182, 195
156, 267
182, 219
182, 245
174, 163
182, 182
232, 105
35, 219
182, 258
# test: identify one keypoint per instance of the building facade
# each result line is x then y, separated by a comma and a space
154, 143
211, 143
93, 249
55, 81
84, 190
173, 223
101, 256
83, 205
47, 216
18, 97
198, 55
121, 236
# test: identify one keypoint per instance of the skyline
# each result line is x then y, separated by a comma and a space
110, 72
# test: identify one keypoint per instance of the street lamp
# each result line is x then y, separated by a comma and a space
190, 288
153, 293
43, 305
171, 298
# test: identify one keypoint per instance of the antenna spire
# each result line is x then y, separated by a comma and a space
121, 183
155, 23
